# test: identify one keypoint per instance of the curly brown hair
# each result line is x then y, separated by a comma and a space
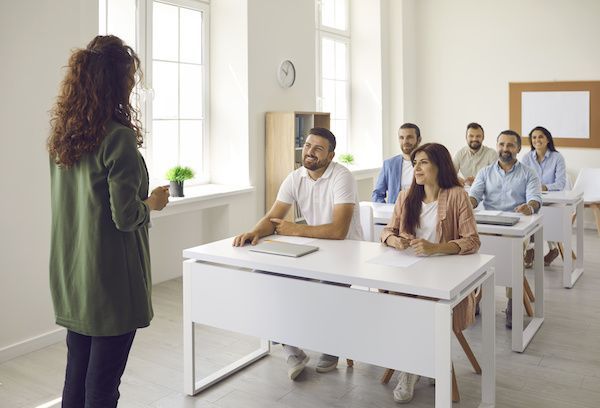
95, 90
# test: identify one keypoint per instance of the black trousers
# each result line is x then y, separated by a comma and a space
94, 369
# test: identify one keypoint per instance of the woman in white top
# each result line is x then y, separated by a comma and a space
433, 216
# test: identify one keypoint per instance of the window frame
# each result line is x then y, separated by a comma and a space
144, 31
337, 35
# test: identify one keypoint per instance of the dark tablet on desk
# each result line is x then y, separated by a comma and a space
283, 248
504, 220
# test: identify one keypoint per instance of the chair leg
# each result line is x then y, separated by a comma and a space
527, 305
455, 394
596, 210
387, 376
528, 289
561, 251
467, 349
349, 362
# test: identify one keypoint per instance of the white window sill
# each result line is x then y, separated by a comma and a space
361, 173
200, 197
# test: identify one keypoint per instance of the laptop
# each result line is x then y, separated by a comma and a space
283, 248
505, 220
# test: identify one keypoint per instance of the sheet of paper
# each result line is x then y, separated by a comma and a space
292, 240
393, 257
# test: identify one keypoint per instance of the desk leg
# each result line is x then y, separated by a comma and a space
488, 346
575, 267
443, 355
517, 292
191, 385
189, 355
538, 265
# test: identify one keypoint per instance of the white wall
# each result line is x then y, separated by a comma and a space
467, 51
36, 38
460, 56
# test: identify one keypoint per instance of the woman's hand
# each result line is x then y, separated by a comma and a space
158, 198
422, 247
397, 242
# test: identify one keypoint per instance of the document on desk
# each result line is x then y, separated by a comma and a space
489, 212
292, 240
396, 258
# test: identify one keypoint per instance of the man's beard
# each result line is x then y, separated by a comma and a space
408, 149
475, 145
506, 157
315, 165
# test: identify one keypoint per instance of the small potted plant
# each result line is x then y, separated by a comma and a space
347, 158
177, 175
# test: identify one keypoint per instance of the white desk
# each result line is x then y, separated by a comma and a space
221, 288
506, 243
558, 208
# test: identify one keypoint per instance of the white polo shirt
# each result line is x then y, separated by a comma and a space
316, 198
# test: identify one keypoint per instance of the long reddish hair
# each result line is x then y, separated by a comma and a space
446, 178
95, 90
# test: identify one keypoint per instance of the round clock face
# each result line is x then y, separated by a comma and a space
286, 74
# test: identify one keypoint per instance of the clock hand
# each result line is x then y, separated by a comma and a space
285, 71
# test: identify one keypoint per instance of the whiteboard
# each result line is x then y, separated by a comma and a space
566, 114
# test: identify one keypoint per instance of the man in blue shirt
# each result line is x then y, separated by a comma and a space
397, 172
508, 185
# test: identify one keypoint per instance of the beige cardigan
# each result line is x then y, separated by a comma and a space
456, 223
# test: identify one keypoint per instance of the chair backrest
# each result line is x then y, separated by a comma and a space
366, 220
588, 182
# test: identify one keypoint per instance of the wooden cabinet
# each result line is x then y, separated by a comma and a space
284, 138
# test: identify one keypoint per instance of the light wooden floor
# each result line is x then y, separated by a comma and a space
560, 368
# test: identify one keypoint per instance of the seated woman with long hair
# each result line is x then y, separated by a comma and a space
433, 216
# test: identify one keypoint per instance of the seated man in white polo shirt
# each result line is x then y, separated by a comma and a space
325, 192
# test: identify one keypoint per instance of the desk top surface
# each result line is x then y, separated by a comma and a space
382, 213
348, 262
562, 197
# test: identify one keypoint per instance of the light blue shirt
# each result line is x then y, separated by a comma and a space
552, 170
504, 191
389, 181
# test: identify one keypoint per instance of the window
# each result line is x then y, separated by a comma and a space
333, 66
171, 39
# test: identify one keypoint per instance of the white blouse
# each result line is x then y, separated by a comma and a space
428, 221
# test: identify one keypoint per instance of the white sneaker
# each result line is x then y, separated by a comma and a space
296, 364
326, 363
405, 389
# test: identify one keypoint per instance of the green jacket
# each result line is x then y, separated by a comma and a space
99, 255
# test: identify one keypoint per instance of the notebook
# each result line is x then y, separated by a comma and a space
496, 219
283, 248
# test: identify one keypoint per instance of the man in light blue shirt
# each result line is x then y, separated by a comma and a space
508, 185
397, 172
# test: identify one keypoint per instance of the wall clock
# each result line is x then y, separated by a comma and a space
286, 74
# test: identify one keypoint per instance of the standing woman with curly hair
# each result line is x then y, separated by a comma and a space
99, 256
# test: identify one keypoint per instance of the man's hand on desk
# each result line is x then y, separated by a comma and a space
524, 209
242, 239
283, 227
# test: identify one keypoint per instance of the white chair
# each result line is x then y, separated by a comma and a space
366, 220
588, 182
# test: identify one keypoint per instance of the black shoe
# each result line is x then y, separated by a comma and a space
508, 312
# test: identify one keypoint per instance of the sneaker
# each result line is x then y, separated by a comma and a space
508, 312
296, 364
405, 389
528, 259
550, 256
326, 363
